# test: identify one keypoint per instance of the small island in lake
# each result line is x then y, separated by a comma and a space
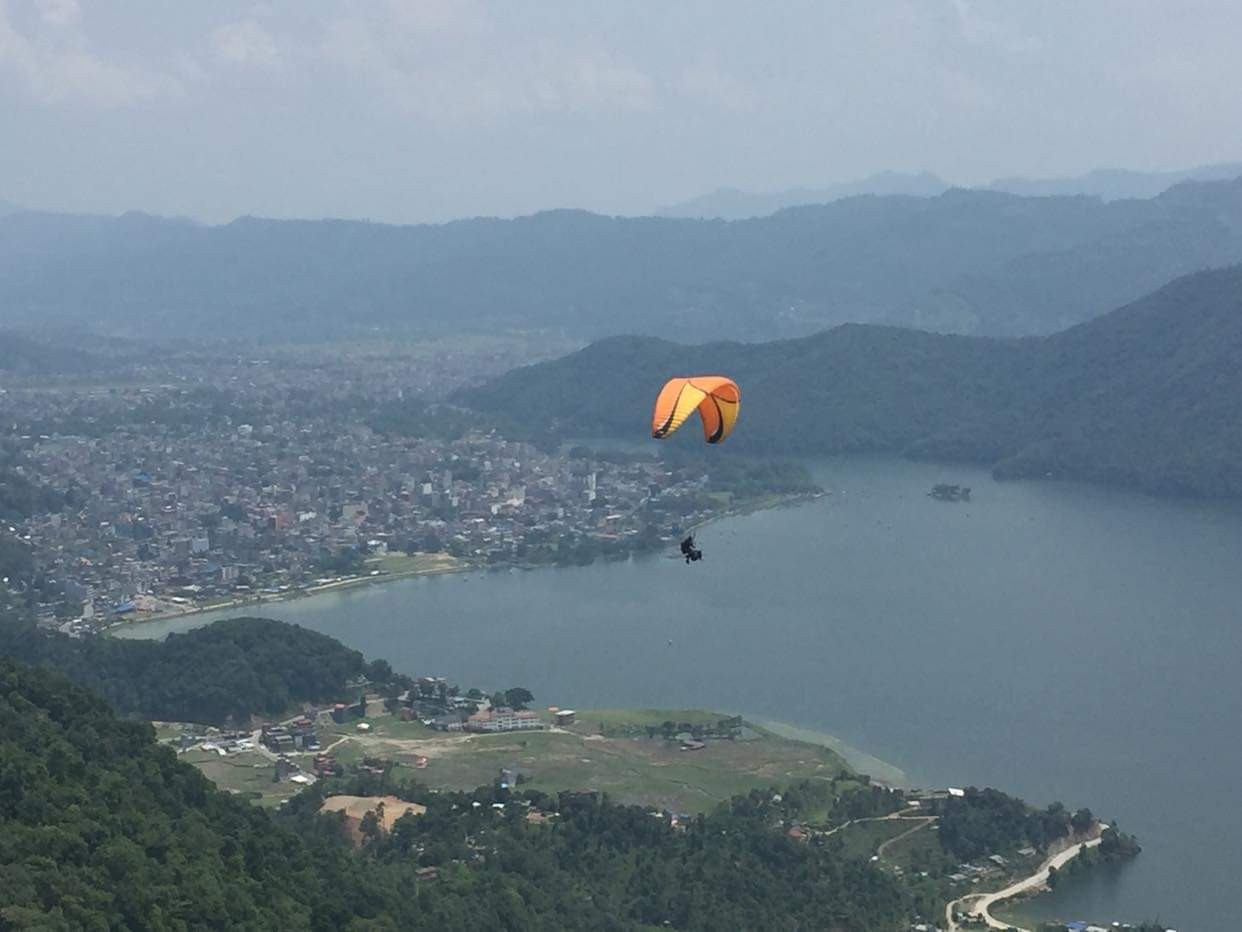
950, 493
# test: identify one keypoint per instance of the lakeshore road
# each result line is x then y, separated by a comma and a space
981, 903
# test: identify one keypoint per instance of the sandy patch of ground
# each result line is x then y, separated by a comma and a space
356, 808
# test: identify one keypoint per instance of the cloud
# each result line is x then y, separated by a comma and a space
60, 13
246, 44
450, 63
706, 82
980, 29
57, 66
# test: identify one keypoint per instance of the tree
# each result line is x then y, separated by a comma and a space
1082, 820
518, 697
498, 700
370, 827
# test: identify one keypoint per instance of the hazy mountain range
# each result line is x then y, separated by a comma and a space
964, 261
1149, 395
732, 204
1106, 183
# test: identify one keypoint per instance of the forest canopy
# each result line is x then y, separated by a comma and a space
100, 827
228, 670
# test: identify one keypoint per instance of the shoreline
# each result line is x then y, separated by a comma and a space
458, 566
348, 582
880, 770
983, 902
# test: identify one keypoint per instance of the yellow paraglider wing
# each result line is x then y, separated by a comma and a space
716, 398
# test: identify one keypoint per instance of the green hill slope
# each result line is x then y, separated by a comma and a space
227, 670
100, 828
1149, 395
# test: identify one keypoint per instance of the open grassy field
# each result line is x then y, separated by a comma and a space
863, 838
605, 750
248, 774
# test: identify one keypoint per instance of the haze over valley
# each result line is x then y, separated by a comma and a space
483, 465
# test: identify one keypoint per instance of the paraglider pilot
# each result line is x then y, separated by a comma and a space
689, 551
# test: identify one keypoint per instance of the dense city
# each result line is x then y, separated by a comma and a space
156, 496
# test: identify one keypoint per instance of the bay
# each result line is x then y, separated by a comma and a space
1059, 641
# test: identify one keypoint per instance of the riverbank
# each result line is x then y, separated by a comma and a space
437, 565
980, 905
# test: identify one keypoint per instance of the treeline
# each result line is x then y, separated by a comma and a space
223, 672
984, 822
1148, 396
101, 828
602, 865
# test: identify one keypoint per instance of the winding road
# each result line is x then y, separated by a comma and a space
981, 903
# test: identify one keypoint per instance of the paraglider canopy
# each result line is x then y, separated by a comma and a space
716, 398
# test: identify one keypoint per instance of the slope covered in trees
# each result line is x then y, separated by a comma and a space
227, 670
1149, 395
100, 828
965, 261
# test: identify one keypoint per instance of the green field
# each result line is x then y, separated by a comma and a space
863, 838
606, 750
921, 851
247, 774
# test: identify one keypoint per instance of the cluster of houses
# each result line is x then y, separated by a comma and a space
297, 735
171, 513
222, 743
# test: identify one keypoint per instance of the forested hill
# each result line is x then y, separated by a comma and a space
225, 671
1149, 395
964, 261
102, 829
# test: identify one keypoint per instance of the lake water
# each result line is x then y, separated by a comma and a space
1056, 641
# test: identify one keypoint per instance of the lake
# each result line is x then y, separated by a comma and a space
1054, 640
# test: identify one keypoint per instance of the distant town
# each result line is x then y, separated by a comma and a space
152, 497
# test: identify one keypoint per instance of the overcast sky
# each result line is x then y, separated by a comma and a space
426, 110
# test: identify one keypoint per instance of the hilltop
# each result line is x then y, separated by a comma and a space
732, 204
977, 262
1149, 395
223, 672
1109, 184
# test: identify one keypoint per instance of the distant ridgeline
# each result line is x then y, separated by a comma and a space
965, 261
1148, 396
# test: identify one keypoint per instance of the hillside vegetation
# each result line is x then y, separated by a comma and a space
100, 828
225, 671
964, 261
1149, 395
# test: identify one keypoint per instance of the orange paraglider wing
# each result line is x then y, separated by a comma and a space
716, 398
